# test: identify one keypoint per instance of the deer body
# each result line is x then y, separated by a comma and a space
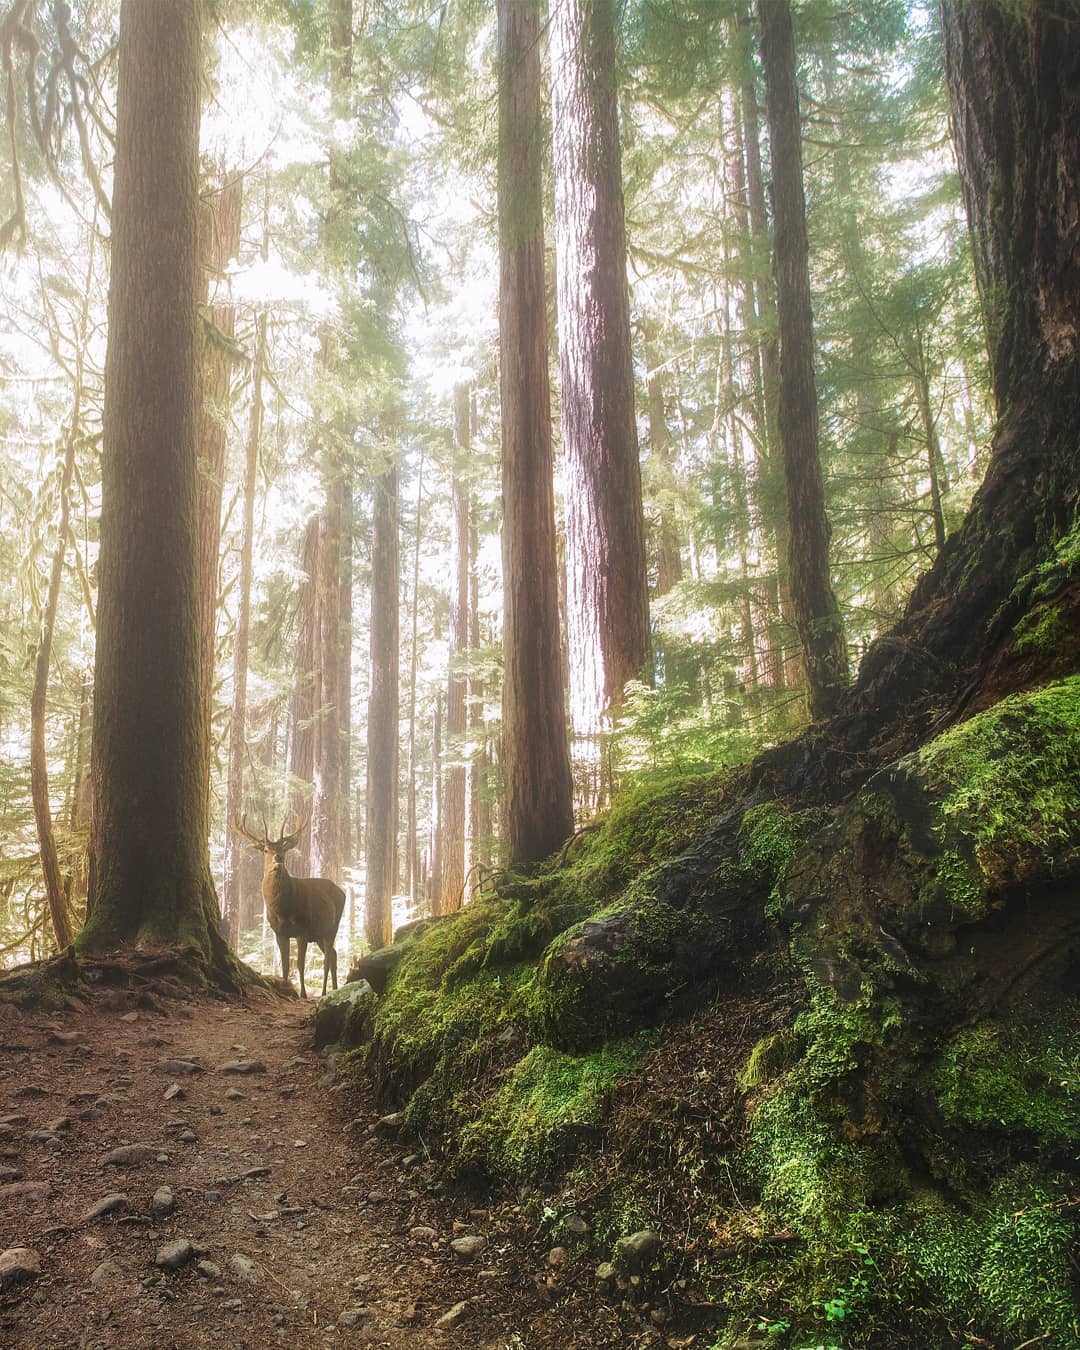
308, 909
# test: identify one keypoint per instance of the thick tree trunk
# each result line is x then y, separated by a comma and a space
345, 638
538, 802
149, 870
234, 794
607, 597
455, 819
382, 739
816, 613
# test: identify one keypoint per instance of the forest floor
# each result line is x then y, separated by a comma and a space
292, 1217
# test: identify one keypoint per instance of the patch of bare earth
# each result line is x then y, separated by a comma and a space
252, 1201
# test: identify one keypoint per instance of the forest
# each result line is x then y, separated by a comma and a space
600, 480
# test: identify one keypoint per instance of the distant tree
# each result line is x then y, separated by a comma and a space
816, 612
454, 817
380, 831
536, 765
607, 595
149, 868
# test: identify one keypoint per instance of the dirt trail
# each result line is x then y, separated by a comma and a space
300, 1214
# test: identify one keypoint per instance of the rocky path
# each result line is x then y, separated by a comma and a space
181, 1174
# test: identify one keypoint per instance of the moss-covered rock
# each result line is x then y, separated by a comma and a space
343, 1017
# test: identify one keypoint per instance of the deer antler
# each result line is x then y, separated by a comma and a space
293, 839
240, 826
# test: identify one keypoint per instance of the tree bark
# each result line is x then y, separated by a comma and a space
149, 869
538, 804
607, 599
479, 802
816, 612
382, 740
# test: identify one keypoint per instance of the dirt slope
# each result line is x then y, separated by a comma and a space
300, 1212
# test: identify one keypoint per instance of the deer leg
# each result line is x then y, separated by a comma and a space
301, 954
283, 948
329, 964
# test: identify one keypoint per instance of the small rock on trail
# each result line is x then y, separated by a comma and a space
18, 1264
133, 1155
173, 1255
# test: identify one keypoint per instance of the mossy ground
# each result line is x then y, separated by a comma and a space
866, 1138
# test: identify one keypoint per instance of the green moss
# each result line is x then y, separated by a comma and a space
547, 1106
1040, 630
645, 827
1009, 1076
1008, 783
772, 1056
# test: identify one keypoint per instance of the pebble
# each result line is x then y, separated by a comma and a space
422, 1233
637, 1250
389, 1124
132, 1155
188, 1137
233, 1304
243, 1267
575, 1224
107, 1270
351, 1316
209, 1270
60, 1123
556, 1257
173, 1255
26, 1192
108, 1204
17, 1264
468, 1248
173, 1092
450, 1319
179, 1068
245, 1066
162, 1202
235, 1095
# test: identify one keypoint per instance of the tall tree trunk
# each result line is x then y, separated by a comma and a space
234, 796
816, 612
434, 852
382, 738
149, 869
479, 834
607, 601
767, 359
219, 242
326, 801
412, 841
302, 701
539, 797
454, 818
345, 638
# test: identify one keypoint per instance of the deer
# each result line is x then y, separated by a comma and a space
308, 909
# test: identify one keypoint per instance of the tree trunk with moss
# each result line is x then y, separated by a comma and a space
149, 869
380, 828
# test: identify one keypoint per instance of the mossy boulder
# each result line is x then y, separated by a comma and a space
344, 1016
696, 922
